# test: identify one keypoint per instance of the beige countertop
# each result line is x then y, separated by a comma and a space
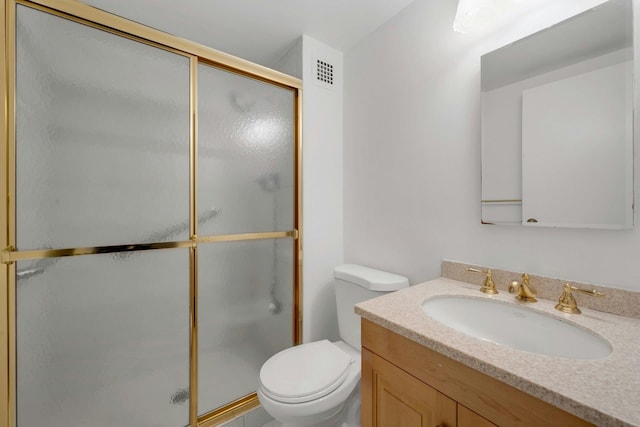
604, 391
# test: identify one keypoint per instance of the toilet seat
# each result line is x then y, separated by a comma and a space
304, 373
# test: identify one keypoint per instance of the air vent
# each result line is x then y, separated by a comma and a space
324, 73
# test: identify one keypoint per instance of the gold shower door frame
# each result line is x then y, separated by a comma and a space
197, 53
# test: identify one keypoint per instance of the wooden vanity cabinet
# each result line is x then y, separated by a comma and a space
405, 384
468, 418
399, 399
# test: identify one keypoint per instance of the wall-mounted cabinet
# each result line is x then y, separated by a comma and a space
557, 119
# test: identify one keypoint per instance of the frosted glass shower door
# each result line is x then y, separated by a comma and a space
246, 172
241, 322
245, 153
103, 341
102, 159
102, 130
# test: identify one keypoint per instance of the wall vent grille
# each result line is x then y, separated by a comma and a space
324, 72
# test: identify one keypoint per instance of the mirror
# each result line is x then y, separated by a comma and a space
557, 124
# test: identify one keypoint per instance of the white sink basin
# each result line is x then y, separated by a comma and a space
515, 326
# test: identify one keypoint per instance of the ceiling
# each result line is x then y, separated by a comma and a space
260, 31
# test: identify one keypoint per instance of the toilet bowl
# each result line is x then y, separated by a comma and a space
315, 386
318, 383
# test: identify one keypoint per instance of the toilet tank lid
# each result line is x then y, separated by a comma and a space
370, 278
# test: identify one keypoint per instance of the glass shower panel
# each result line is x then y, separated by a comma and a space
102, 137
245, 315
103, 340
246, 151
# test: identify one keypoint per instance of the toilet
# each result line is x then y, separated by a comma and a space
318, 383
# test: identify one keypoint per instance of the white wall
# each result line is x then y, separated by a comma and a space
322, 237
291, 62
322, 242
412, 158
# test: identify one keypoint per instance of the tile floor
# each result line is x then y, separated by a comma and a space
256, 418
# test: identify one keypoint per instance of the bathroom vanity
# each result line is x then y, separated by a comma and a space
407, 384
418, 372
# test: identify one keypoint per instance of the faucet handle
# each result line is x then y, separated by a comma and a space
567, 302
488, 287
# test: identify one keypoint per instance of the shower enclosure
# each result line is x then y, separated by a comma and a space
150, 239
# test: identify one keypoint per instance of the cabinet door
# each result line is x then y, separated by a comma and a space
393, 398
468, 418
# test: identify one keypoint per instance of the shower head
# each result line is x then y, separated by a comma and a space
274, 306
269, 182
240, 103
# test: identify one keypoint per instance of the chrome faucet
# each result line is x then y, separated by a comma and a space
525, 293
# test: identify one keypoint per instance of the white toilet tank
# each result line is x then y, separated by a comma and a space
354, 284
